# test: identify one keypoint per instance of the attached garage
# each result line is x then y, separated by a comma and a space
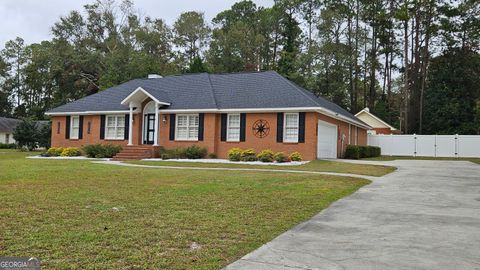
327, 140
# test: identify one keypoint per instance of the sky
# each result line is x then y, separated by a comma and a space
32, 19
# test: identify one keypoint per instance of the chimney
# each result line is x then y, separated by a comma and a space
154, 76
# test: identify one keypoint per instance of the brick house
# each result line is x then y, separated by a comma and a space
259, 110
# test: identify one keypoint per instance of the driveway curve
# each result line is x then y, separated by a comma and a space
425, 215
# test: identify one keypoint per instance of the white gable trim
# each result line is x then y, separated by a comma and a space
375, 117
127, 100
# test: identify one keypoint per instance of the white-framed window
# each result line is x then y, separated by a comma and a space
115, 127
186, 127
233, 127
74, 126
290, 127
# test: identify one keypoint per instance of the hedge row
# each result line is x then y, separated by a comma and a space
92, 151
63, 152
362, 151
7, 146
267, 155
101, 150
192, 152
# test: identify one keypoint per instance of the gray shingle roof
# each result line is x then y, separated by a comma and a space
8, 124
254, 90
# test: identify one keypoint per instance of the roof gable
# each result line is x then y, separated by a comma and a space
366, 116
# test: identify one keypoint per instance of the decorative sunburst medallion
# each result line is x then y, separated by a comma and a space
261, 128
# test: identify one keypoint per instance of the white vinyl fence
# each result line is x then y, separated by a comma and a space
427, 145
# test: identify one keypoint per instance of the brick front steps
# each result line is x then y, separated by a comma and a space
134, 152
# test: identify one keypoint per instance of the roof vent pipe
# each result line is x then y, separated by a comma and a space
154, 76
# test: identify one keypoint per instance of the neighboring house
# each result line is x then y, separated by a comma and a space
259, 110
7, 126
378, 125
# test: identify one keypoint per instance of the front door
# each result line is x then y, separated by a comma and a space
148, 128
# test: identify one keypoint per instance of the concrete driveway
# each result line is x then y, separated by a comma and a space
426, 215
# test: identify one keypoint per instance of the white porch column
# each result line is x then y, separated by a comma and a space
130, 125
155, 139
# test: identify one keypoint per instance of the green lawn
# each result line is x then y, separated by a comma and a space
76, 214
315, 165
390, 158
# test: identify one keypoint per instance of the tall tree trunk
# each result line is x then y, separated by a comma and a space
357, 70
365, 71
373, 68
425, 60
406, 77
353, 108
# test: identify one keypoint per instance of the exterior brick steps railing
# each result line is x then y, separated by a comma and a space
134, 153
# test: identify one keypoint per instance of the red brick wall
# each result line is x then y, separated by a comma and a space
209, 134
383, 131
307, 149
59, 140
212, 134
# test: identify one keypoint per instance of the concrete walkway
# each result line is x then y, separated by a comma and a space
426, 215
119, 163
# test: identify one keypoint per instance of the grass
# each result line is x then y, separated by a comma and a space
76, 214
315, 165
390, 158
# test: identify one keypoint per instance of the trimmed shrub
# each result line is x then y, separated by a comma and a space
101, 150
235, 154
212, 156
55, 151
165, 156
266, 155
352, 152
375, 151
70, 152
92, 150
7, 146
195, 152
192, 152
248, 155
362, 151
280, 157
45, 154
296, 156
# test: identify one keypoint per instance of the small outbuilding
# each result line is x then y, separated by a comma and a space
7, 126
378, 125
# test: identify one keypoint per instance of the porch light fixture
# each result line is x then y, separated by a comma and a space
164, 119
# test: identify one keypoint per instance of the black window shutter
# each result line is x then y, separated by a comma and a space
280, 127
223, 127
127, 126
172, 127
80, 127
243, 122
102, 127
67, 127
201, 117
301, 127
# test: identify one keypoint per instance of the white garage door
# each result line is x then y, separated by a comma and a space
327, 140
